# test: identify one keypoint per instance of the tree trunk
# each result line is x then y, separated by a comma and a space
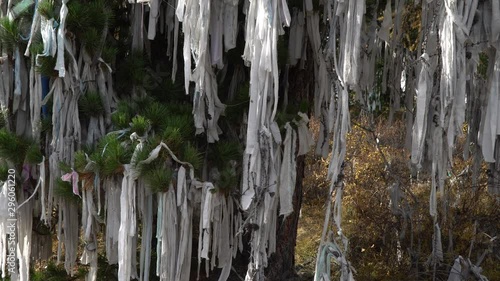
282, 263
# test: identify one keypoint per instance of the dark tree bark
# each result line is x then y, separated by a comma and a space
282, 263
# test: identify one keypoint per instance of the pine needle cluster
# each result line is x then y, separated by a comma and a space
64, 189
90, 104
19, 149
53, 272
88, 22
225, 156
159, 179
130, 73
49, 9
9, 34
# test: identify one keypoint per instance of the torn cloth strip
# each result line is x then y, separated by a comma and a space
185, 227
384, 31
452, 33
113, 212
350, 39
127, 230
35, 96
196, 18
424, 87
348, 15
204, 226
61, 37
262, 24
154, 14
329, 251
288, 172
69, 223
490, 124
145, 207
89, 256
167, 236
296, 40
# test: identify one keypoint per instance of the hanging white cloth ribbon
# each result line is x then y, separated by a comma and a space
113, 212
61, 38
304, 135
49, 39
185, 228
420, 124
384, 31
154, 14
127, 230
490, 124
288, 172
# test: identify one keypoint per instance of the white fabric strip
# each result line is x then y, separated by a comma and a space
61, 37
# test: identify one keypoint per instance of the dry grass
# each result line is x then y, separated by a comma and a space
309, 236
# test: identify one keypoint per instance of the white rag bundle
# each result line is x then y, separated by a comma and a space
205, 225
68, 234
185, 227
263, 240
65, 140
329, 251
49, 38
437, 246
145, 207
424, 88
350, 28
113, 211
348, 16
128, 224
207, 108
296, 39
452, 85
61, 38
367, 92
288, 172
35, 96
262, 25
230, 24
384, 31
167, 230
154, 14
89, 255
490, 128
322, 89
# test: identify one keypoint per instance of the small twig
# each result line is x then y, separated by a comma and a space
363, 127
386, 163
473, 239
237, 104
235, 272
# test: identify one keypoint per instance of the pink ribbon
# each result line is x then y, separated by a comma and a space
72, 177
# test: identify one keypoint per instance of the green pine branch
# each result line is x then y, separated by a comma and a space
91, 105
9, 34
16, 149
159, 179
